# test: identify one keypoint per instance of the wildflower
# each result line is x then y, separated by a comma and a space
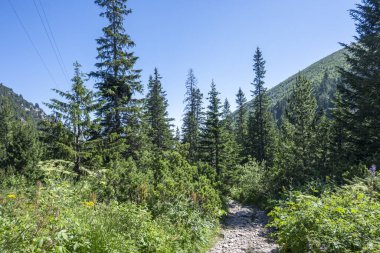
372, 169
11, 196
89, 203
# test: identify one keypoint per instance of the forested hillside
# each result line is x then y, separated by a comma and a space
107, 171
324, 76
22, 107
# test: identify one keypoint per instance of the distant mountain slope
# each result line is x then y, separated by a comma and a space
324, 76
22, 107
313, 73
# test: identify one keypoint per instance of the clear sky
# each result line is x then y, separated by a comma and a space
216, 38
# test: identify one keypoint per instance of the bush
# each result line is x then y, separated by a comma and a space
250, 183
163, 205
61, 217
346, 220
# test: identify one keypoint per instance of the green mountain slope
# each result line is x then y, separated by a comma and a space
22, 107
323, 74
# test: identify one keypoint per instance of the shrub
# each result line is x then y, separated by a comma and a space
60, 217
123, 209
250, 182
346, 220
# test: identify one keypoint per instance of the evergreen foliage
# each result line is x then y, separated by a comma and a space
211, 139
360, 102
230, 155
75, 113
55, 138
156, 114
297, 155
118, 83
260, 124
22, 108
241, 126
193, 117
20, 149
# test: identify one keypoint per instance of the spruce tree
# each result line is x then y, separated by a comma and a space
193, 117
322, 146
156, 114
212, 146
260, 125
297, 152
53, 134
75, 113
241, 131
118, 83
360, 88
340, 147
227, 117
177, 136
229, 156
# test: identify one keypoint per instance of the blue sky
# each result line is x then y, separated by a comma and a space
216, 38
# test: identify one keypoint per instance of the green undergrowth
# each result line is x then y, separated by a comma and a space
344, 219
177, 212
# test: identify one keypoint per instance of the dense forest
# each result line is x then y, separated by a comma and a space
107, 171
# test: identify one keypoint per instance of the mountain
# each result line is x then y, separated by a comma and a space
22, 107
324, 76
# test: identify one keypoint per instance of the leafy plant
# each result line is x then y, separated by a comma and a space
344, 220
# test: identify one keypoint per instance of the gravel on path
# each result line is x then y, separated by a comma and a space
244, 231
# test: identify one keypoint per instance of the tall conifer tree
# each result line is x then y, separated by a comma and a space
193, 117
229, 156
156, 114
118, 83
261, 124
297, 152
75, 113
241, 131
360, 88
212, 145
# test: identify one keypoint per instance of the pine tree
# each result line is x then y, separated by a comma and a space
212, 145
260, 125
241, 131
193, 117
118, 83
75, 113
156, 114
360, 88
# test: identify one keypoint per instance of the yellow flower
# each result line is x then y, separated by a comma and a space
11, 196
89, 204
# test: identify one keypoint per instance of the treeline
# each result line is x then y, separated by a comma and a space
115, 123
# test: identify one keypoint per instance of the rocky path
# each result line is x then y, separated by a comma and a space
243, 231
